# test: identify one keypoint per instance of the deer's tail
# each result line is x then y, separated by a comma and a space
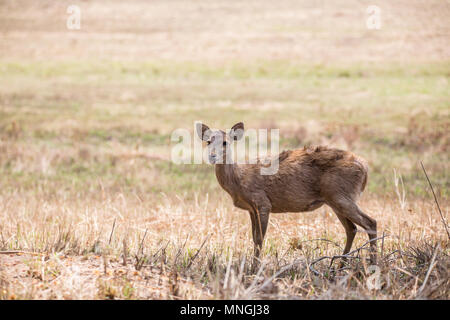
365, 168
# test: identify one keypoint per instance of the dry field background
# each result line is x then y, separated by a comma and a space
92, 208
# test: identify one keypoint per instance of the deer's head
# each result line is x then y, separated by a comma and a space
219, 142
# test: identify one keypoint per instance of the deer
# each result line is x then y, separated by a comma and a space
306, 179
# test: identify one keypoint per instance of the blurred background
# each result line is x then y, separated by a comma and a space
103, 100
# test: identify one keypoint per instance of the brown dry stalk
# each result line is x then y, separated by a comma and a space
344, 256
435, 199
112, 231
196, 254
22, 252
430, 268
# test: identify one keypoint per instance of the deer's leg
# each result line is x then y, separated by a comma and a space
350, 210
254, 226
256, 249
260, 221
350, 230
370, 225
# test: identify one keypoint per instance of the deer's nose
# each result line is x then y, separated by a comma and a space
212, 158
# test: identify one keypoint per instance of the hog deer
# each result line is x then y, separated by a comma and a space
306, 179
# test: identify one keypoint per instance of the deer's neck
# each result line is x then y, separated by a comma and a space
228, 176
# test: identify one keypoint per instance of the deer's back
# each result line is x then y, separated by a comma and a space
306, 177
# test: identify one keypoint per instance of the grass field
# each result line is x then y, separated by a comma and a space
91, 207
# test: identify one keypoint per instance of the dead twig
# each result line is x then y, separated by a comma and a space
344, 256
112, 231
198, 251
435, 199
432, 264
320, 239
125, 252
142, 242
22, 252
179, 250
160, 249
140, 260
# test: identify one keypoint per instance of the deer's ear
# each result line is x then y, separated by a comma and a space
203, 131
237, 131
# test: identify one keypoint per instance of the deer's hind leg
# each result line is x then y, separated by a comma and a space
350, 231
349, 210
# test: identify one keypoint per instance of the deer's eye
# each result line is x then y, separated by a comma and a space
208, 142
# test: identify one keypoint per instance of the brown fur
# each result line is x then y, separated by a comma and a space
307, 178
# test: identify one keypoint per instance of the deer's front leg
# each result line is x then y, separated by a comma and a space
260, 220
253, 221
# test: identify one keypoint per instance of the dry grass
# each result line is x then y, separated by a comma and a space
220, 30
90, 208
202, 249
